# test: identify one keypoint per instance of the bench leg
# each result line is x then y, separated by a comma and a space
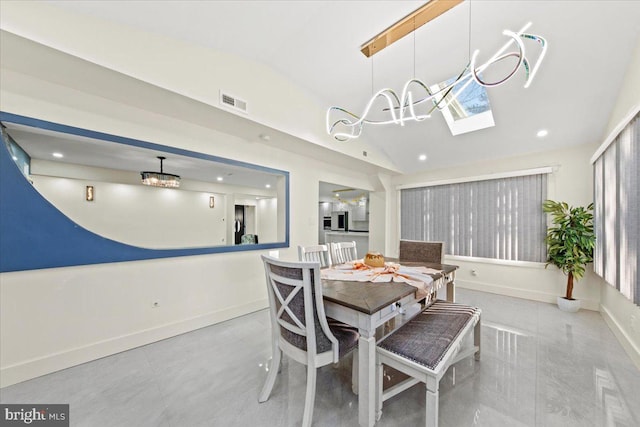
432, 403
476, 338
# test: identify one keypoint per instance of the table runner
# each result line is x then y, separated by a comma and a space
357, 271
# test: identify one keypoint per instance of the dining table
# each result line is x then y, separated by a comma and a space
369, 305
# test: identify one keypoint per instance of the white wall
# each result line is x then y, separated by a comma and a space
570, 181
621, 314
186, 69
267, 220
54, 318
148, 217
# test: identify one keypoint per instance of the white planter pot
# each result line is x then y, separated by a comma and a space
568, 305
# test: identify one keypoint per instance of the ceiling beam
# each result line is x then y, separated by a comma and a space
407, 25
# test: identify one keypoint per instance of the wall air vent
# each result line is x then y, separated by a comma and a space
231, 101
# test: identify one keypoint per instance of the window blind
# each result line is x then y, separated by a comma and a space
617, 212
496, 218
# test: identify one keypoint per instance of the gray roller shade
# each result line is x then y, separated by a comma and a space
497, 218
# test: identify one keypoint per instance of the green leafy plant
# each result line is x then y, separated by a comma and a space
570, 241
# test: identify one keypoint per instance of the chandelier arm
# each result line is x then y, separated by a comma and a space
527, 69
463, 75
543, 43
330, 127
469, 80
521, 60
407, 101
421, 84
402, 109
431, 95
497, 58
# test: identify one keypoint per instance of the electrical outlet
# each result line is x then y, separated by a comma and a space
155, 304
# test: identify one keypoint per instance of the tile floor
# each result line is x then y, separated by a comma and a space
539, 367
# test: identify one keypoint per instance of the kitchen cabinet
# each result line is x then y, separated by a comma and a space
359, 213
325, 209
339, 207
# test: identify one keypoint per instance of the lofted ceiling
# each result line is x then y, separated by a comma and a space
316, 45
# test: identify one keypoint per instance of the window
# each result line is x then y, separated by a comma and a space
494, 218
617, 211
470, 111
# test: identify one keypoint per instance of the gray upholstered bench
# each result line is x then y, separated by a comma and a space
424, 348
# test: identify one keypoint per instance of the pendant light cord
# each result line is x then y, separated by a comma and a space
414, 47
469, 30
372, 76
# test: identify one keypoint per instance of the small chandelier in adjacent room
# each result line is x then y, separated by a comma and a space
160, 179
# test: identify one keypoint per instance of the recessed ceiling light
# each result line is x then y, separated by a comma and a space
15, 159
422, 157
219, 178
337, 194
265, 137
268, 185
542, 133
58, 155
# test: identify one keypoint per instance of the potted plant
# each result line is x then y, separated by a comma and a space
570, 242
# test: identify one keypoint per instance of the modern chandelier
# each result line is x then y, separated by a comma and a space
160, 179
344, 125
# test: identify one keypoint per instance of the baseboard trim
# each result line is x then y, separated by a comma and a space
632, 349
33, 368
522, 293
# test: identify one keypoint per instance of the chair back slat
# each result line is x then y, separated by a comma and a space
342, 252
317, 253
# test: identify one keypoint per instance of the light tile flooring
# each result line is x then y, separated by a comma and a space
539, 367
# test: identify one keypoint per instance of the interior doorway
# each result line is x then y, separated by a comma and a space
238, 224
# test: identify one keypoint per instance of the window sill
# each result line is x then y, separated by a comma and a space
527, 264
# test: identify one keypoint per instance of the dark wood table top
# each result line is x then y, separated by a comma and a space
369, 297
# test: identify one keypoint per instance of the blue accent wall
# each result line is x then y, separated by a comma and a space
34, 234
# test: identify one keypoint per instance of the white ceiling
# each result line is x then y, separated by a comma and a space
335, 192
80, 150
316, 45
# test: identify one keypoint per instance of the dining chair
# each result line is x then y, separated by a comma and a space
318, 253
342, 252
421, 251
299, 326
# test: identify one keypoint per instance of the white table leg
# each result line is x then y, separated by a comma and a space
451, 288
366, 380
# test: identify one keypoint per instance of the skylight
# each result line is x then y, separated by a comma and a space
470, 111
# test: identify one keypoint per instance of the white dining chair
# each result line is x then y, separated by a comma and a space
299, 326
318, 253
342, 252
